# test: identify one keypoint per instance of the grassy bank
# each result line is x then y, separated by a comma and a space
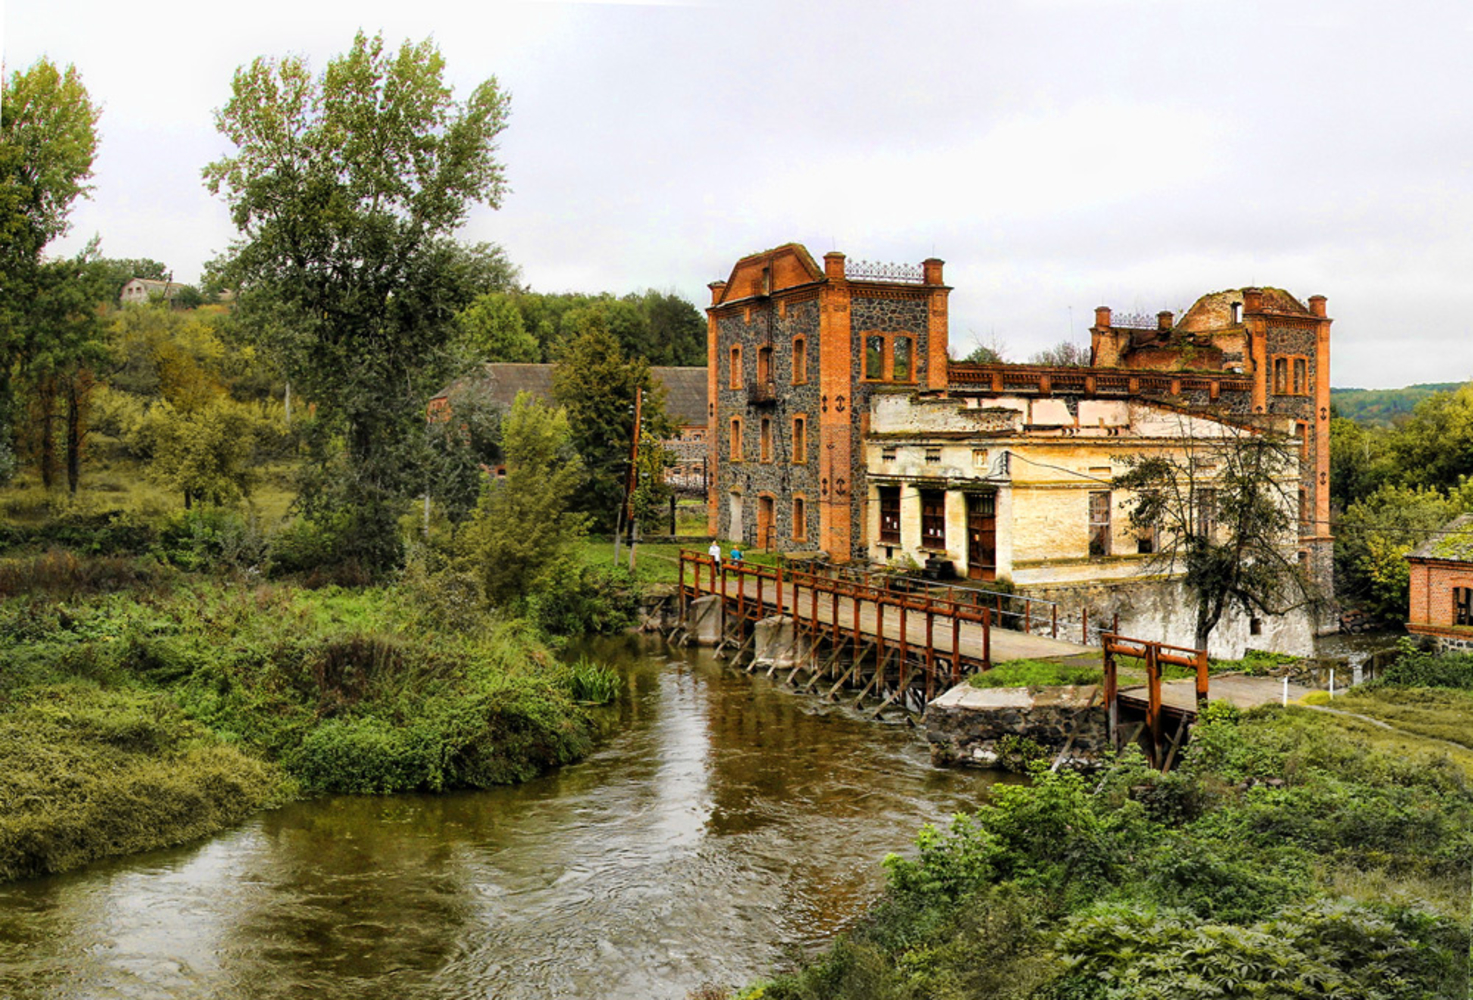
142, 706
1295, 853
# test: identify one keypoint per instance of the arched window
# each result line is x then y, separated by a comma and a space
765, 439
800, 439
736, 439
800, 360
736, 366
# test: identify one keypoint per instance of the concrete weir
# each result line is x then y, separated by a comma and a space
964, 725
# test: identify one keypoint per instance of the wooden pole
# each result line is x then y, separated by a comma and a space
1112, 705
930, 652
986, 639
1153, 703
1201, 679
956, 645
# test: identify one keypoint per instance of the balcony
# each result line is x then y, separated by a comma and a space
762, 393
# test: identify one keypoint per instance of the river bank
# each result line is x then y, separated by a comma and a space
143, 707
720, 827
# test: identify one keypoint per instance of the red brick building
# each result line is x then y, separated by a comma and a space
1441, 602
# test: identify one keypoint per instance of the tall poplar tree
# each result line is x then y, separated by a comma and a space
48, 140
346, 187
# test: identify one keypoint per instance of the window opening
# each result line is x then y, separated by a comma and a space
1099, 523
735, 381
890, 515
736, 439
933, 520
800, 519
874, 357
800, 360
800, 440
765, 439
900, 366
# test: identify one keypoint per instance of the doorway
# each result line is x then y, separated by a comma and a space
982, 536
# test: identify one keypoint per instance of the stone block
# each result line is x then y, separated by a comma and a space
703, 620
778, 643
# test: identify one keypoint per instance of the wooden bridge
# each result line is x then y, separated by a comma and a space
893, 638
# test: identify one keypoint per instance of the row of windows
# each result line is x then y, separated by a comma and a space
764, 440
889, 357
764, 364
1291, 375
766, 520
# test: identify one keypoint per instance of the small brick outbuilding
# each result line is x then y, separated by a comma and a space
1441, 603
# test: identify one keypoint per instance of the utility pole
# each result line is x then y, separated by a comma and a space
633, 474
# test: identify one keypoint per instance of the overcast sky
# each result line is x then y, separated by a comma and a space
1057, 154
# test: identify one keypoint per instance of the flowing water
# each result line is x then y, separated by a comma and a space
720, 823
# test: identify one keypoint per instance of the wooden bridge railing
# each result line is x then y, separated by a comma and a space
1154, 655
790, 588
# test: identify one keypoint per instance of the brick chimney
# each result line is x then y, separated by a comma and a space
1253, 300
1163, 319
1102, 316
833, 265
931, 266
717, 287
1317, 304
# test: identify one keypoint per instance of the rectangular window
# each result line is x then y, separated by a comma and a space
1099, 523
979, 458
800, 440
800, 360
1147, 541
890, 515
764, 439
1281, 376
933, 520
1303, 508
800, 519
736, 439
1301, 431
1206, 518
764, 364
933, 456
1301, 377
1462, 606
874, 357
900, 366
887, 454
735, 380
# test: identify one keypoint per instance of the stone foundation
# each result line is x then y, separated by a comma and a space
703, 620
778, 644
964, 725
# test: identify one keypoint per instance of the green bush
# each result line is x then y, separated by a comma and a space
86, 773
587, 600
1034, 674
212, 538
1417, 668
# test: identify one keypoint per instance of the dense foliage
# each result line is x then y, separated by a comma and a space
1287, 858
142, 706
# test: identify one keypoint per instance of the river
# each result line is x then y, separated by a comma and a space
721, 823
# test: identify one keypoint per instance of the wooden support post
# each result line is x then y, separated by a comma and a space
761, 611
1027, 615
1084, 629
903, 645
956, 646
714, 566
834, 612
812, 609
1201, 678
853, 668
781, 608
930, 652
880, 663
1056, 621
1153, 702
1112, 691
986, 639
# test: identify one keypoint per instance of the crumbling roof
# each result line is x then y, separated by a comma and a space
685, 387
1214, 311
1453, 542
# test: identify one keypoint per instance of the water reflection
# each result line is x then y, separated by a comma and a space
720, 820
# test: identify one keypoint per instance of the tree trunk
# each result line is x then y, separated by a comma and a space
46, 396
78, 392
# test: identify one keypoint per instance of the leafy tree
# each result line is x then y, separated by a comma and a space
205, 455
1064, 354
595, 383
346, 187
1375, 534
1360, 461
1434, 446
65, 345
491, 329
523, 532
1225, 517
48, 139
984, 354
463, 449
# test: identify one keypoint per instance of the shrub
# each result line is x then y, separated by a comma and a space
213, 538
585, 600
1416, 668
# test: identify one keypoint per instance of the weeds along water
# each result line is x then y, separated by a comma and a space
200, 699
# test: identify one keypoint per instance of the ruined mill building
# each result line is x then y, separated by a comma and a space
838, 425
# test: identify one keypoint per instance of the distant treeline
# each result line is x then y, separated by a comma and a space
1383, 407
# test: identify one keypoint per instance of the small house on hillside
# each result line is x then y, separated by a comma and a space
1441, 602
140, 290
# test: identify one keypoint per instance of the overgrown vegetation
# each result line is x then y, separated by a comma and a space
144, 706
1292, 855
1036, 673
